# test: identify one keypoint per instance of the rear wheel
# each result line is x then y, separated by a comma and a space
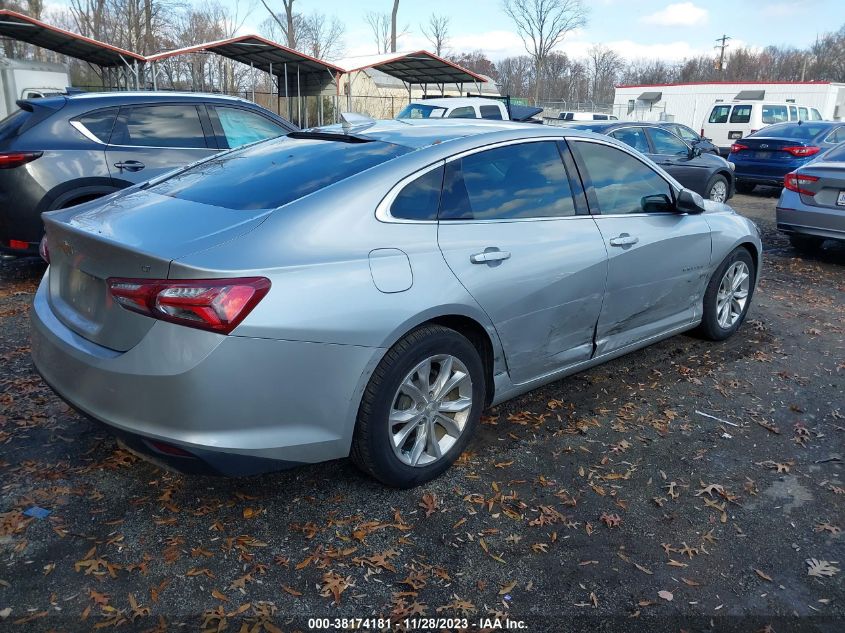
728, 296
420, 408
745, 187
717, 189
806, 243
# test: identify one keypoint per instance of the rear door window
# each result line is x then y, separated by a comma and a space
269, 175
464, 112
741, 114
240, 126
420, 198
775, 114
599, 117
720, 114
815, 115
667, 143
491, 112
526, 180
802, 113
793, 113
633, 136
99, 123
837, 136
160, 126
686, 133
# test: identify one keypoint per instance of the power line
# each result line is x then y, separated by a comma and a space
720, 65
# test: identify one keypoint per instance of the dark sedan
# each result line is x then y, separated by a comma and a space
765, 157
60, 151
707, 174
690, 136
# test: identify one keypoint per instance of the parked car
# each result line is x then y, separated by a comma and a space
469, 108
729, 122
370, 290
59, 151
586, 116
811, 208
690, 136
707, 174
765, 157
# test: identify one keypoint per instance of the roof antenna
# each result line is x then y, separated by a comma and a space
353, 120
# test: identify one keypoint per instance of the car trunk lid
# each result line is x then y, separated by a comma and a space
766, 149
136, 236
829, 190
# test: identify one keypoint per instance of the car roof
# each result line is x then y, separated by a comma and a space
147, 95
456, 102
420, 133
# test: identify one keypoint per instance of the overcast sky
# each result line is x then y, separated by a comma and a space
641, 28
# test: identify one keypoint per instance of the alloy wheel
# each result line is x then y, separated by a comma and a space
719, 191
733, 294
430, 410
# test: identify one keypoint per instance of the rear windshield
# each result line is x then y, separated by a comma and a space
421, 111
275, 172
11, 125
804, 132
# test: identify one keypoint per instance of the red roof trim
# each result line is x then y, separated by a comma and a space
71, 34
211, 46
728, 83
422, 52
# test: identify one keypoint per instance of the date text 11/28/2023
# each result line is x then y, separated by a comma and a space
417, 624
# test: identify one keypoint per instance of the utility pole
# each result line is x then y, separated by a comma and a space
720, 65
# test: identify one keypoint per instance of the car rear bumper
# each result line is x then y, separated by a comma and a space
236, 405
772, 181
817, 221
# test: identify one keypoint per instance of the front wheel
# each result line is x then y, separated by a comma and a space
728, 296
420, 408
717, 189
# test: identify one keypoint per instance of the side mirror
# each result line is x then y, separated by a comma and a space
694, 151
689, 202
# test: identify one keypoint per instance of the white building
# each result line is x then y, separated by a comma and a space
689, 103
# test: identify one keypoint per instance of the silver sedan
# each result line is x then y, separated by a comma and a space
369, 290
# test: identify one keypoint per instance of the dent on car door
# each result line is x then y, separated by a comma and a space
510, 230
657, 258
149, 140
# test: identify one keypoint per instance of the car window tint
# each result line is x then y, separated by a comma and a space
803, 131
685, 133
802, 113
621, 183
99, 123
837, 136
160, 126
276, 172
633, 136
741, 114
599, 117
465, 112
420, 198
720, 114
837, 154
667, 143
775, 114
241, 126
815, 115
491, 112
793, 113
527, 180
420, 111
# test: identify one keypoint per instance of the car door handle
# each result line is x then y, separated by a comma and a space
130, 165
624, 240
489, 255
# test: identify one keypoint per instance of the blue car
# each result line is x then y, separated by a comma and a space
765, 157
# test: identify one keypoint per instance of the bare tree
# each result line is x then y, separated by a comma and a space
380, 27
323, 36
437, 32
393, 15
288, 22
542, 25
604, 65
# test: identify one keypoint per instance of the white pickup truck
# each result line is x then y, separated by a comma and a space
469, 108
27, 79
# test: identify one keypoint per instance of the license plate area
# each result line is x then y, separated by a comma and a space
734, 135
840, 201
763, 155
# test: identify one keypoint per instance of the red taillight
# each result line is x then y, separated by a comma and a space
218, 305
44, 250
19, 245
738, 147
797, 182
10, 160
800, 150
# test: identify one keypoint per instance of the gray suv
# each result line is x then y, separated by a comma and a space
59, 151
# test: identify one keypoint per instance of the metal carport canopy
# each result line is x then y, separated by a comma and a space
26, 29
306, 75
420, 67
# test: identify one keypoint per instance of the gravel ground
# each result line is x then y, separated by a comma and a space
681, 488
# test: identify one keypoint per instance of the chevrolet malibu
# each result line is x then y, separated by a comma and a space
368, 290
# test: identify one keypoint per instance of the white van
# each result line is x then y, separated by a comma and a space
586, 116
728, 122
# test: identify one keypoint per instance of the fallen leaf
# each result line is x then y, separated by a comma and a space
666, 595
763, 575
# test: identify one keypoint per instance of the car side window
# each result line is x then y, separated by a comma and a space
620, 183
837, 136
491, 112
526, 180
685, 133
633, 136
720, 114
802, 113
240, 126
160, 126
464, 112
599, 117
774, 114
793, 113
99, 123
741, 114
667, 143
815, 115
420, 198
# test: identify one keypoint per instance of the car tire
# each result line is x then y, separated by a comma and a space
387, 410
806, 243
744, 187
718, 185
719, 322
